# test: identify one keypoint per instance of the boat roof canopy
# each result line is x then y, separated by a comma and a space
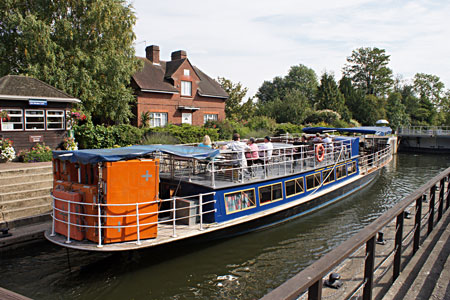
92, 156
361, 130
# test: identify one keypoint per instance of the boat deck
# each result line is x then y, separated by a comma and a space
226, 172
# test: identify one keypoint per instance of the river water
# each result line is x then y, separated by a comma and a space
244, 267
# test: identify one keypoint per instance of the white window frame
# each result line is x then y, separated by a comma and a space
186, 72
67, 115
161, 117
62, 113
13, 115
210, 117
34, 116
186, 88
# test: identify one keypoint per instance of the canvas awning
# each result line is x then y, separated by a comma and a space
92, 156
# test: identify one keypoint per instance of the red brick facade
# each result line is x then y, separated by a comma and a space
157, 100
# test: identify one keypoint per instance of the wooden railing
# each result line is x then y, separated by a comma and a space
310, 280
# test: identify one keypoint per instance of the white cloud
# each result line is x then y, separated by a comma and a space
253, 41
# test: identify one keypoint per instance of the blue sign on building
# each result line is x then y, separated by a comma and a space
37, 102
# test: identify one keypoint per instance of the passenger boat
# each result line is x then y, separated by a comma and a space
145, 196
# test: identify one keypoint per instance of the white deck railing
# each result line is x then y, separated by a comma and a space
375, 160
230, 166
196, 203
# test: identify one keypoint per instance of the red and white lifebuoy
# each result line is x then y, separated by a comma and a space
320, 152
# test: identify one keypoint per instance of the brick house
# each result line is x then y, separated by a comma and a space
36, 110
175, 91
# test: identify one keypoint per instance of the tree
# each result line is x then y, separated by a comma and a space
84, 48
294, 108
330, 97
371, 110
430, 88
396, 111
353, 98
300, 78
236, 93
367, 68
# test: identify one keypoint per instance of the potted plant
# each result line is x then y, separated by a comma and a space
7, 152
4, 116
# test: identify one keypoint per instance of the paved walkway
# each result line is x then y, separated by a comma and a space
427, 274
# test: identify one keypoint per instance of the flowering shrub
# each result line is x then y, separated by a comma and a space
76, 117
7, 150
4, 116
38, 153
70, 144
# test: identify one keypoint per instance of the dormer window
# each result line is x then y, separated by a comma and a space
186, 72
186, 88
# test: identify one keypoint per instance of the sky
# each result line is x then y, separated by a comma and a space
254, 41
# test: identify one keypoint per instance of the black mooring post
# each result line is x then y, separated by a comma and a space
398, 244
368, 269
441, 199
431, 209
315, 291
417, 224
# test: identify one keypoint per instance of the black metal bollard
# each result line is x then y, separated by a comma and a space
334, 281
380, 239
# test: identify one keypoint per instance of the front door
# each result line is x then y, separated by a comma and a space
186, 118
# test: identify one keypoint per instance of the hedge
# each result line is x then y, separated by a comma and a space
91, 136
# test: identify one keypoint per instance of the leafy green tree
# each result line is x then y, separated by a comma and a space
353, 98
444, 114
372, 110
330, 97
271, 90
429, 88
300, 78
367, 68
303, 79
248, 109
84, 48
396, 111
294, 108
236, 93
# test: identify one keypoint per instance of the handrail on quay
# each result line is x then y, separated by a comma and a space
424, 130
311, 278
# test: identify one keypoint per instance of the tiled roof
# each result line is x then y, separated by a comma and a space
152, 77
158, 78
172, 66
208, 86
24, 86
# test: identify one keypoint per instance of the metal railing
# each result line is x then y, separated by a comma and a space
309, 282
375, 160
425, 130
197, 203
233, 166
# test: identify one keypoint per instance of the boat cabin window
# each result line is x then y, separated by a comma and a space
294, 187
312, 181
241, 200
341, 171
270, 193
328, 176
351, 167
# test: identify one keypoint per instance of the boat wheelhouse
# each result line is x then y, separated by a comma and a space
142, 196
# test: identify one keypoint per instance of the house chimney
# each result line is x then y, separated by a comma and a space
180, 54
152, 54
